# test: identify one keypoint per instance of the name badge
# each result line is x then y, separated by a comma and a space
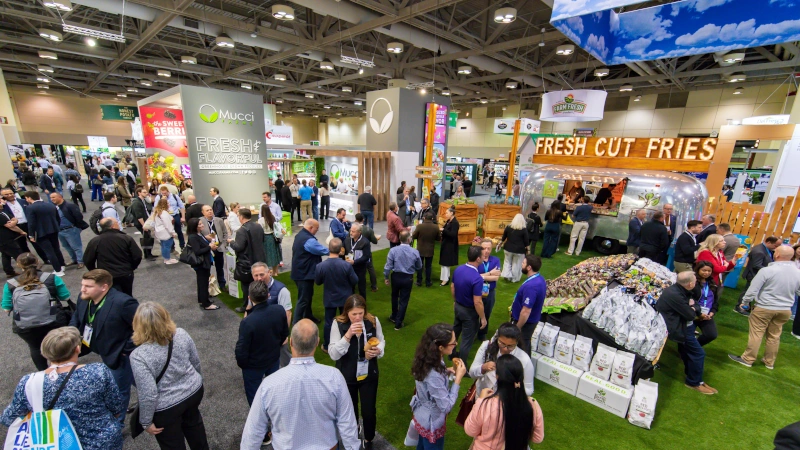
87, 335
485, 290
705, 310
362, 370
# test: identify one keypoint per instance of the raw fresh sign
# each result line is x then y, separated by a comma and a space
573, 106
569, 104
682, 154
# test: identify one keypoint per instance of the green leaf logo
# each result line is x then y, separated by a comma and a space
208, 118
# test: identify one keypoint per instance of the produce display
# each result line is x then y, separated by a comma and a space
573, 290
633, 324
647, 279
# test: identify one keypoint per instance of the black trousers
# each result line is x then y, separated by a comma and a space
401, 293
330, 314
427, 266
182, 423
245, 293
8, 251
203, 274
296, 207
78, 199
708, 329
527, 334
325, 207
305, 293
368, 391
219, 264
361, 287
466, 320
51, 247
124, 284
373, 279
34, 337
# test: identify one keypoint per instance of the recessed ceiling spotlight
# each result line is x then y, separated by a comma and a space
638, 98
282, 12
132, 89
301, 110
625, 88
279, 77
91, 42
45, 69
61, 5
736, 77
504, 108
357, 103
566, 49
309, 95
43, 79
505, 15
122, 94
47, 55
326, 65
224, 41
50, 34
164, 73
186, 59
347, 89
338, 114
465, 70
395, 47
278, 100
738, 91
423, 91
446, 92
601, 72
42, 86
327, 106
145, 82
484, 100
360, 70
247, 86
315, 115
511, 85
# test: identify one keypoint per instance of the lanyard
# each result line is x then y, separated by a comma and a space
705, 290
771, 258
529, 279
89, 312
486, 266
353, 244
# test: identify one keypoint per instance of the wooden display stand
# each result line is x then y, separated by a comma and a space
496, 217
467, 216
751, 220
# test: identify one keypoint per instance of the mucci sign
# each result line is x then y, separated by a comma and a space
279, 135
210, 114
506, 126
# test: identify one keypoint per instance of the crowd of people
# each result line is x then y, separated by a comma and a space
141, 346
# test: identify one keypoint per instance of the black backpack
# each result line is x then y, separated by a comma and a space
97, 216
78, 189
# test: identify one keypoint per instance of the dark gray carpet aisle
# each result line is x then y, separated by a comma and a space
224, 407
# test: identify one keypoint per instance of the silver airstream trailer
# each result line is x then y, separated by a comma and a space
635, 189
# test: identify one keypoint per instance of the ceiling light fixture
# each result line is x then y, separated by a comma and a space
511, 85
279, 77
42, 86
446, 92
423, 91
736, 77
361, 71
247, 86
326, 65
91, 42
164, 73
738, 91
282, 12
504, 108
43, 68
734, 57
61, 5
50, 34
132, 89
638, 98
505, 15
254, 35
47, 55
327, 106
121, 94
625, 88
566, 49
395, 47
278, 100
224, 41
301, 110
186, 59
347, 89
145, 82
338, 114
92, 33
357, 103
43, 79
465, 70
484, 100
309, 95
601, 72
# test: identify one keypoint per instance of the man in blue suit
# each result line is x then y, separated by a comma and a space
43, 227
634, 231
340, 227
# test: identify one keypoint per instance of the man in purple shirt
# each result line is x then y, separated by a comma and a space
467, 291
527, 307
489, 269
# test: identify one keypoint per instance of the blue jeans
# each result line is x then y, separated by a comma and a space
166, 248
123, 376
693, 357
71, 240
315, 210
253, 377
794, 307
178, 229
424, 444
369, 218
97, 192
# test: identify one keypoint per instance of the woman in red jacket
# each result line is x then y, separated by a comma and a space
711, 250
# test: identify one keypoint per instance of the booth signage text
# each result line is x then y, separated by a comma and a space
117, 112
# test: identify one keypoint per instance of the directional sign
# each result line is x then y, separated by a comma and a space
429, 176
425, 168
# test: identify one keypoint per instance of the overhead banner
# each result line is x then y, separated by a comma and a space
580, 105
117, 112
98, 142
163, 130
279, 135
526, 126
779, 119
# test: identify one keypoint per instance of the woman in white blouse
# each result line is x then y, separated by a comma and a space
233, 218
505, 342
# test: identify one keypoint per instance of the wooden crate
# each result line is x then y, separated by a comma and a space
496, 217
467, 216
753, 222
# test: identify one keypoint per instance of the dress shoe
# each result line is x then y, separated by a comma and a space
239, 309
315, 320
418, 284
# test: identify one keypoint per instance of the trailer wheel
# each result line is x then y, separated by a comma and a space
605, 246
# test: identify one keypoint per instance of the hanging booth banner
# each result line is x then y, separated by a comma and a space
579, 105
117, 112
778, 119
279, 135
526, 126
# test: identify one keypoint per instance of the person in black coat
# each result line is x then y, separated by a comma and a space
285, 194
248, 243
141, 209
655, 239
760, 256
678, 308
685, 247
534, 226
448, 251
339, 280
202, 246
670, 221
218, 205
709, 228
43, 227
116, 252
194, 209
358, 252
634, 231
104, 317
261, 335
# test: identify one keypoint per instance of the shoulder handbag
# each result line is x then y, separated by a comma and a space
136, 427
467, 403
278, 230
188, 256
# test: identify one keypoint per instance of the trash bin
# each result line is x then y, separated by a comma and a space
286, 221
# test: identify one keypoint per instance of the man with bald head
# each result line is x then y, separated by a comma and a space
319, 391
773, 290
116, 252
70, 226
216, 231
194, 210
307, 252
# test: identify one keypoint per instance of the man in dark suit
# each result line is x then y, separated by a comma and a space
43, 227
358, 252
279, 185
247, 244
426, 234
47, 184
686, 245
655, 239
709, 228
670, 221
70, 227
194, 210
116, 252
104, 316
759, 257
307, 253
218, 205
634, 231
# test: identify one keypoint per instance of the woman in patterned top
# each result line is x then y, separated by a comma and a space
90, 398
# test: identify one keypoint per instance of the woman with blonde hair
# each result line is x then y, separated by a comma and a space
515, 246
166, 368
460, 193
233, 218
711, 250
164, 230
90, 396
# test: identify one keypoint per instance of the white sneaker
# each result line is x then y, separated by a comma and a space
59, 273
171, 261
136, 232
796, 335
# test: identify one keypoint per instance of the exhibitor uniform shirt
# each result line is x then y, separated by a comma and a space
468, 283
530, 295
488, 266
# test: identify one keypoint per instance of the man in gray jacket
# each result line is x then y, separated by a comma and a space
773, 290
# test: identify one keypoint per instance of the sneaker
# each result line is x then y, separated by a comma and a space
391, 319
770, 367
80, 266
59, 273
397, 325
171, 261
239, 309
703, 389
267, 439
136, 232
796, 335
741, 310
739, 360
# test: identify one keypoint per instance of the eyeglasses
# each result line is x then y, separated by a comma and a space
452, 344
506, 347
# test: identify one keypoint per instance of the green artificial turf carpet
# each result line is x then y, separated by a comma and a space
752, 404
